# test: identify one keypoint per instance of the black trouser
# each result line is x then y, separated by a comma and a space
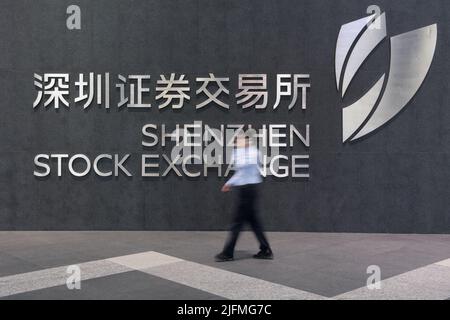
246, 212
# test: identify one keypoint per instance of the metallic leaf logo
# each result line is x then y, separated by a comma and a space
411, 55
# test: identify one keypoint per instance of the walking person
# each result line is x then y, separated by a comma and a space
245, 181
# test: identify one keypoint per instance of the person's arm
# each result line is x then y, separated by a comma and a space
232, 181
260, 159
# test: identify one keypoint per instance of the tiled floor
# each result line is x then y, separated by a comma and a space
180, 265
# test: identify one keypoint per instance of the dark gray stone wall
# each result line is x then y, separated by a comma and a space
397, 180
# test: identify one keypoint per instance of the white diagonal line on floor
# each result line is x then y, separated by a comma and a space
431, 282
143, 260
46, 278
227, 284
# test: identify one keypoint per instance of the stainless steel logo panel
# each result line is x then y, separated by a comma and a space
411, 57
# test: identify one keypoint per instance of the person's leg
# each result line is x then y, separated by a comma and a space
259, 233
255, 223
236, 226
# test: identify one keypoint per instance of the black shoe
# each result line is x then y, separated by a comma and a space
266, 254
221, 257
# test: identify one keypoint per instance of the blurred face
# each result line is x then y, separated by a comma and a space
241, 142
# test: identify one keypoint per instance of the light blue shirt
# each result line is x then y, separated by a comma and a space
246, 165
